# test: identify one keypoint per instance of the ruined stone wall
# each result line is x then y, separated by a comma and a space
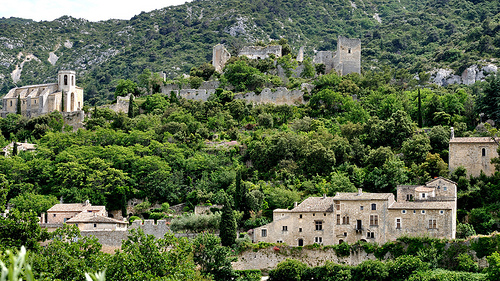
348, 57
280, 96
257, 52
326, 58
121, 104
157, 229
219, 57
74, 119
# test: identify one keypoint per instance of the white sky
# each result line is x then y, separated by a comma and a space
93, 10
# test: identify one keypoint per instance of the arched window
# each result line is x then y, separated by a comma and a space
65, 80
483, 151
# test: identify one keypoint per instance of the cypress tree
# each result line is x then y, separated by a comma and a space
62, 101
14, 148
18, 105
131, 106
227, 227
419, 112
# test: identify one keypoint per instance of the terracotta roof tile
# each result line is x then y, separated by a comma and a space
472, 140
93, 218
76, 207
362, 196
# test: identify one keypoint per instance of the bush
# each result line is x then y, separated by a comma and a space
288, 270
404, 266
248, 275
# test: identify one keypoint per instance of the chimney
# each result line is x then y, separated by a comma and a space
452, 136
360, 190
324, 195
295, 204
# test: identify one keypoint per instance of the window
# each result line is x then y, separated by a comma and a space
370, 234
319, 225
54, 215
282, 215
414, 211
423, 211
409, 197
65, 80
422, 195
338, 219
373, 219
445, 188
300, 216
285, 228
324, 214
65, 219
341, 241
483, 151
345, 220
374, 207
398, 223
432, 224
359, 225
349, 50
314, 214
264, 233
10, 103
345, 234
403, 211
300, 229
318, 240
279, 241
337, 203
95, 225
361, 208
301, 242
441, 212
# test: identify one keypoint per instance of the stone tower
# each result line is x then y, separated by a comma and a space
219, 57
348, 56
66, 83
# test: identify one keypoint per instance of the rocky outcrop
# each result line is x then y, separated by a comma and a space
471, 75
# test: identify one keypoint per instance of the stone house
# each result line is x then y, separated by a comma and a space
420, 210
60, 213
96, 222
474, 154
37, 100
21, 146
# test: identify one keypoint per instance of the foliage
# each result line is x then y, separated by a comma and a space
17, 267
125, 87
213, 258
37, 203
288, 270
227, 226
21, 229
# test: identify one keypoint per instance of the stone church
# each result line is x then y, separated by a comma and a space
37, 100
420, 210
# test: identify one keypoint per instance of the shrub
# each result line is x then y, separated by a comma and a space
288, 270
248, 275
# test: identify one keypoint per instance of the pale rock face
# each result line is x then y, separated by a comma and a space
469, 75
68, 44
53, 58
490, 68
441, 75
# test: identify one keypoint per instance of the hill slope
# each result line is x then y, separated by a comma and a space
405, 34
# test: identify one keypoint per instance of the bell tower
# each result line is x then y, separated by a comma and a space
66, 81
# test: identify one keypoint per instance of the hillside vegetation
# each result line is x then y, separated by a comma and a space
410, 35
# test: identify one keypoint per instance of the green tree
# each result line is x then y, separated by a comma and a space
18, 105
488, 102
125, 87
21, 229
33, 202
131, 104
228, 224
415, 149
493, 269
213, 258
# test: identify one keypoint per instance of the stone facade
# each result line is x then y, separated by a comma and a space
474, 154
60, 213
37, 100
346, 60
257, 52
219, 57
94, 222
428, 210
158, 229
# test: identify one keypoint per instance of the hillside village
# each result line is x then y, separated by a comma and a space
223, 146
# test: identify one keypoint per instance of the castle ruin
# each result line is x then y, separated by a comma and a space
347, 58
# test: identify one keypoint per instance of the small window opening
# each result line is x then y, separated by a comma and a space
484, 152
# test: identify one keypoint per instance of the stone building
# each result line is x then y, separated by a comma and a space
60, 213
347, 58
257, 52
37, 100
219, 57
428, 210
474, 154
92, 221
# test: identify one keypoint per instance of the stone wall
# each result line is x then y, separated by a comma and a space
74, 119
256, 52
474, 154
267, 259
280, 96
348, 57
157, 229
219, 57
121, 104
107, 238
